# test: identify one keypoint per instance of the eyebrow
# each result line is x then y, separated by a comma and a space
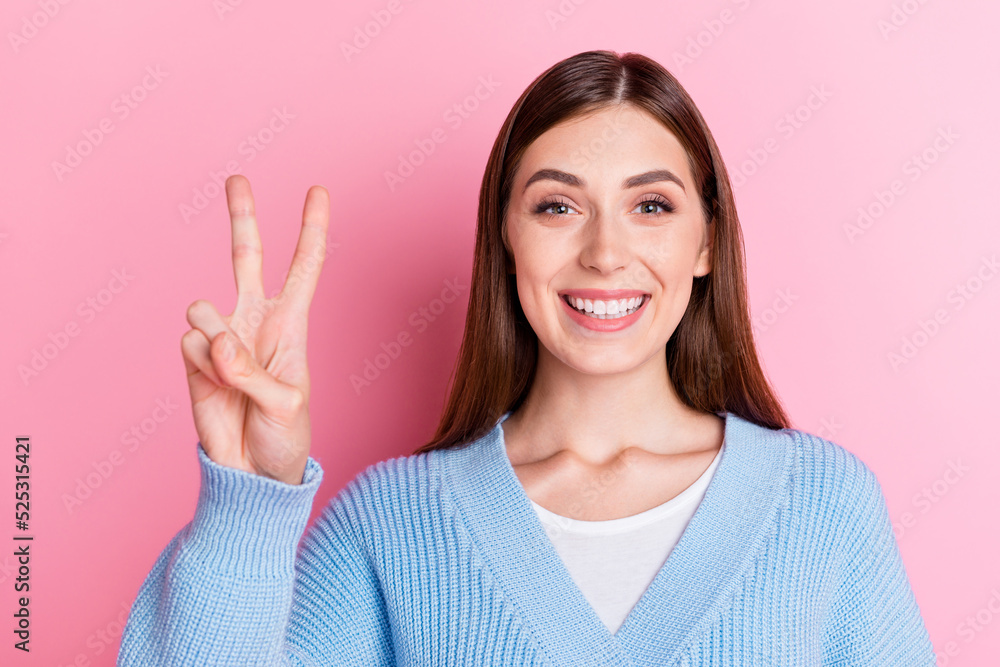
655, 176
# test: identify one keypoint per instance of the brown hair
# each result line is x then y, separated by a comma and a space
711, 357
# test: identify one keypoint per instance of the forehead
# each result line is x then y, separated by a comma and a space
611, 143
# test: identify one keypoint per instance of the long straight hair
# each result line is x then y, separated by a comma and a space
711, 357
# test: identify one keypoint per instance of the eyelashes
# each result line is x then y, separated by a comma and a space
542, 208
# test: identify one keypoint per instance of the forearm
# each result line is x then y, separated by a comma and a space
221, 591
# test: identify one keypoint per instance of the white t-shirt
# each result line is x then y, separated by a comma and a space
613, 562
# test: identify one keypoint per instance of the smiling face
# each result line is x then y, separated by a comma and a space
603, 208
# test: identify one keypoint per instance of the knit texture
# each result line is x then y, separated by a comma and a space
439, 559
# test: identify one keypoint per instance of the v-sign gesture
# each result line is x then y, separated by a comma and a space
247, 371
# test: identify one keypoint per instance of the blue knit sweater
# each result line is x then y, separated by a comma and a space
440, 559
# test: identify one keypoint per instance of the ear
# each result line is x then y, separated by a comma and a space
703, 265
507, 252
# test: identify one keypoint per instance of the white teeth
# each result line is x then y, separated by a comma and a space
606, 310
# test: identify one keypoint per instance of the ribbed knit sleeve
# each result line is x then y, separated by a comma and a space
874, 619
223, 589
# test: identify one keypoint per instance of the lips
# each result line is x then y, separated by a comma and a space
617, 310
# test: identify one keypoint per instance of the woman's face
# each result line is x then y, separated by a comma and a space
604, 208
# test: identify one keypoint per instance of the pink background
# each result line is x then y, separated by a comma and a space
832, 308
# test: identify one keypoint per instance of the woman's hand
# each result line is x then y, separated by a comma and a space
247, 372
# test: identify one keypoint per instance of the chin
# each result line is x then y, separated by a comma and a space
600, 364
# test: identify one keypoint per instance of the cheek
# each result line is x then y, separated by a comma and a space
536, 259
536, 272
673, 253
532, 288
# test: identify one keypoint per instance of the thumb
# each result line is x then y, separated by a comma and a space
237, 368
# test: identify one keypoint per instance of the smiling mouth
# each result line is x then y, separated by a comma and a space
606, 310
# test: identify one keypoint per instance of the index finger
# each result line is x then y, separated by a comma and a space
300, 285
247, 254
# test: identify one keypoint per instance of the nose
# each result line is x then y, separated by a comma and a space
604, 244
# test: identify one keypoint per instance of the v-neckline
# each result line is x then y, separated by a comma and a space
700, 574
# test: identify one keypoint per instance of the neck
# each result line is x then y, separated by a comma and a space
599, 417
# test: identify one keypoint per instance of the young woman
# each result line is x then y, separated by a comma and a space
613, 481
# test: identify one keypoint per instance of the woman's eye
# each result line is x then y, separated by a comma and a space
548, 206
648, 206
